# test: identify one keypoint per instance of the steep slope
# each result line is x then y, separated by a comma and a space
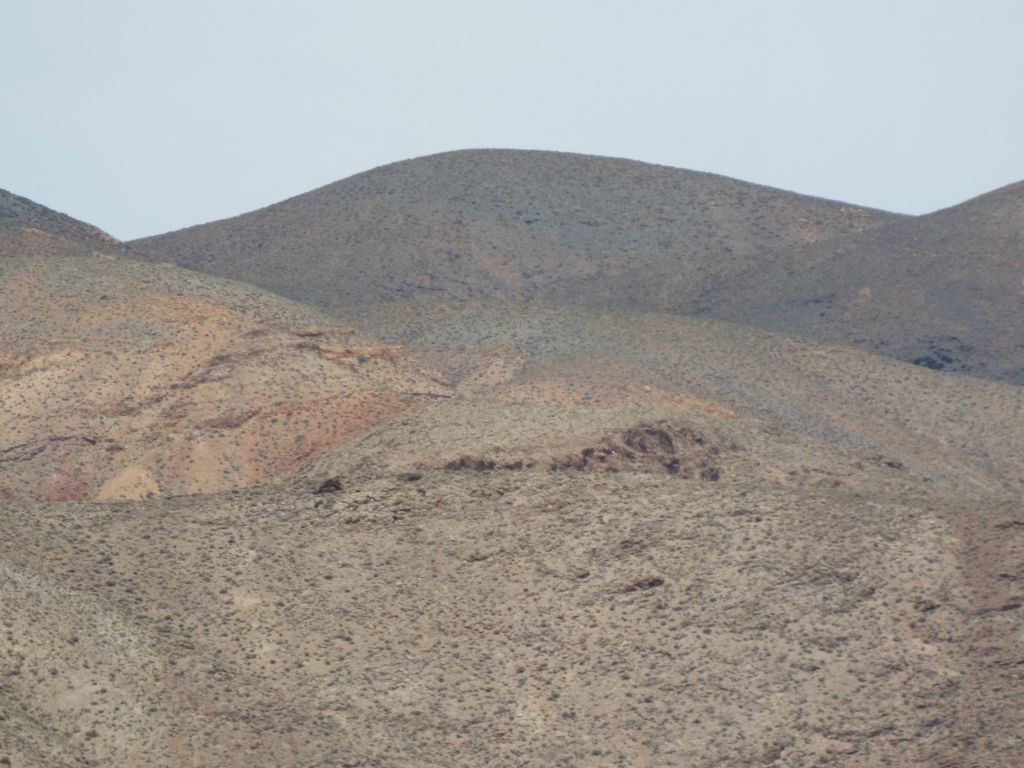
121, 380
944, 290
512, 224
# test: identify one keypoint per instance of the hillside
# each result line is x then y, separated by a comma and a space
579, 557
943, 290
509, 358
120, 379
513, 619
27, 226
624, 539
511, 224
508, 531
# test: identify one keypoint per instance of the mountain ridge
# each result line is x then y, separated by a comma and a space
938, 289
507, 223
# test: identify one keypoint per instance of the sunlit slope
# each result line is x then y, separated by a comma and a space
953, 429
510, 619
120, 380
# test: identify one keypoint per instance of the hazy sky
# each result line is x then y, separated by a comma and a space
142, 116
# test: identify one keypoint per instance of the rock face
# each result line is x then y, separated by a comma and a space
651, 448
661, 448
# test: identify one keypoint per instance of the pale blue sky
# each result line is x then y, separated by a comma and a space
144, 116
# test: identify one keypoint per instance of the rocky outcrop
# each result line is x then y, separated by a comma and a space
657, 448
651, 448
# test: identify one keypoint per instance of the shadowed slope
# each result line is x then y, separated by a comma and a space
505, 223
944, 290
28, 226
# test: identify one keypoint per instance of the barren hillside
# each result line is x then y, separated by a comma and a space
945, 290
942, 290
120, 379
234, 531
516, 619
511, 224
953, 429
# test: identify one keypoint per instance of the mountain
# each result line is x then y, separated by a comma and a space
511, 224
544, 525
622, 539
120, 379
944, 290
